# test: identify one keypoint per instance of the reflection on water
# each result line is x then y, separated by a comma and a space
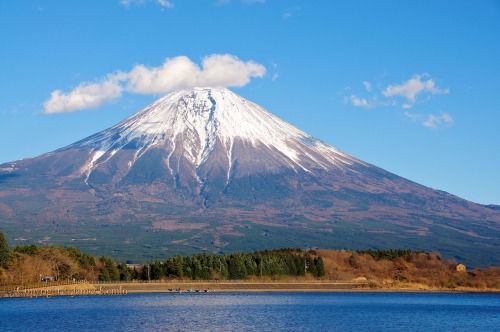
255, 312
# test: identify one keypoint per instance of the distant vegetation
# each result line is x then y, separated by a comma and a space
29, 264
283, 262
405, 268
391, 255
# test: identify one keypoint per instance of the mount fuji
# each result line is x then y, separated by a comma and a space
206, 170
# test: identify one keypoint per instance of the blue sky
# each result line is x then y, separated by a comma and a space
410, 86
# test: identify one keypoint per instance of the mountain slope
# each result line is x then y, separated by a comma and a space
205, 169
201, 125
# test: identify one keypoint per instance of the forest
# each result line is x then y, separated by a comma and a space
380, 269
30, 263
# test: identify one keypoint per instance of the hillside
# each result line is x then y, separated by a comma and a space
385, 270
205, 170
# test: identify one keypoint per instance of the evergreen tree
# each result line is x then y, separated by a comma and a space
289, 262
125, 272
109, 271
134, 274
29, 249
196, 269
145, 272
311, 267
250, 265
320, 267
299, 265
4, 251
178, 266
223, 267
237, 269
157, 270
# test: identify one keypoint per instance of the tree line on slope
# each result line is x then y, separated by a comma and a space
390, 254
26, 264
31, 263
236, 266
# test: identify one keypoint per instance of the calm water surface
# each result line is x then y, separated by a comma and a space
255, 312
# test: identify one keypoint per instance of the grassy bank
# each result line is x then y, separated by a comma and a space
124, 288
280, 270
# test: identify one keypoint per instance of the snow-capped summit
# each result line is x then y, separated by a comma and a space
193, 124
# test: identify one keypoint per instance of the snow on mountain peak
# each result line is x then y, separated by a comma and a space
200, 118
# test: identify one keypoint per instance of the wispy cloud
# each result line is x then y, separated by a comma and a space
417, 85
435, 121
162, 3
165, 3
368, 86
251, 2
413, 117
290, 12
418, 89
432, 121
275, 75
415, 90
217, 70
358, 101
248, 2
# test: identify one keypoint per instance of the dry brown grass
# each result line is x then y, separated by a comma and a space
422, 271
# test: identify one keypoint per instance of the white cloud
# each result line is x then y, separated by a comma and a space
165, 3
418, 84
435, 121
431, 121
162, 3
359, 102
178, 72
368, 86
218, 70
418, 89
412, 116
291, 12
84, 96
275, 74
248, 2
228, 70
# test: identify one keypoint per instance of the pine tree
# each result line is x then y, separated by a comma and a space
311, 267
237, 269
109, 270
4, 251
125, 272
320, 266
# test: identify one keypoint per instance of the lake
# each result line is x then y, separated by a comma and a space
255, 312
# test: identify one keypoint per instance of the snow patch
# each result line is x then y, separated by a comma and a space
195, 120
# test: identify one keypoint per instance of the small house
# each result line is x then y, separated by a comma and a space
461, 268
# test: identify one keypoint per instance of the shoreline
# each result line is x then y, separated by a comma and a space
234, 287
280, 287
113, 289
